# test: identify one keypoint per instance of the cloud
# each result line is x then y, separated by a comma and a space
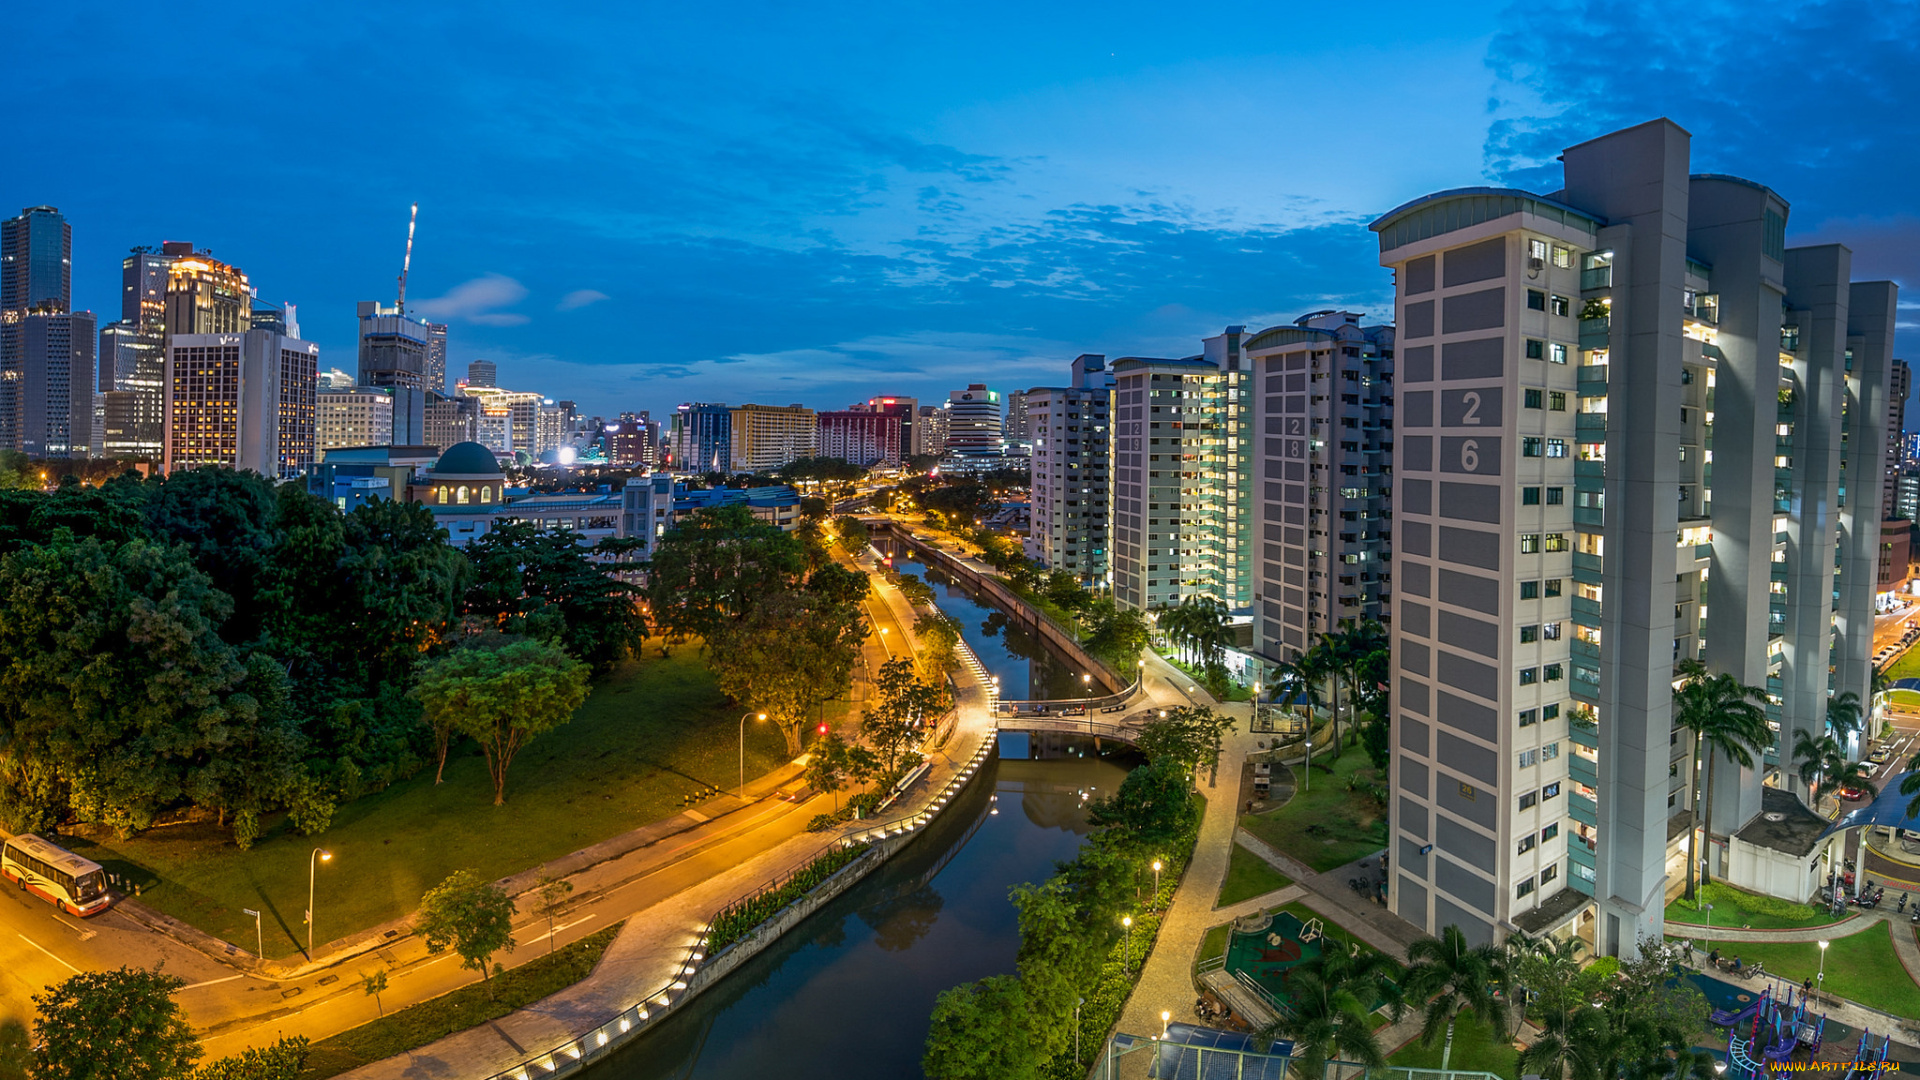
580, 298
473, 301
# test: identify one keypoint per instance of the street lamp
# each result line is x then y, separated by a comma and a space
1166, 1021
1156, 879
1087, 682
1823, 964
1077, 1002
1126, 954
883, 643
743, 751
324, 856
1708, 908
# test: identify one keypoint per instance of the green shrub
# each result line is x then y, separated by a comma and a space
737, 920
1605, 967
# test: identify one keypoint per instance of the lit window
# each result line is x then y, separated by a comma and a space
1529, 543
1558, 354
460, 495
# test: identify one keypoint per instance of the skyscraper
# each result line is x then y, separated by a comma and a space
974, 423
437, 357
56, 384
1069, 528
243, 400
352, 416
1564, 362
702, 437
1182, 478
133, 358
1899, 388
1325, 478
36, 277
393, 354
483, 373
765, 437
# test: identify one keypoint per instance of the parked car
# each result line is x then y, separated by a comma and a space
1880, 755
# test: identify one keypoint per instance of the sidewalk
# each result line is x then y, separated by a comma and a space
649, 954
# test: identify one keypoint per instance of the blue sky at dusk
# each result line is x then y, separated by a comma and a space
816, 203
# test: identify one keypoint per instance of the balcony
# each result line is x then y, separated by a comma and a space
1592, 516
1590, 426
1596, 277
1590, 563
1593, 379
1595, 471
1583, 770
1582, 810
1594, 332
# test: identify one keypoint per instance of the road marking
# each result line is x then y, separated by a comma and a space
212, 982
43, 949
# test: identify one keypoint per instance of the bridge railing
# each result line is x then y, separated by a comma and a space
1105, 703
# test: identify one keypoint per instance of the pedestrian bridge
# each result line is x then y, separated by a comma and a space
1092, 724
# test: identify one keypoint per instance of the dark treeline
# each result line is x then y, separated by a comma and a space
214, 641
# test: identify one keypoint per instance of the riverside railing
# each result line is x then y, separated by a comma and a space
576, 1054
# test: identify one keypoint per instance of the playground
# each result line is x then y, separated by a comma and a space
1263, 951
1779, 1029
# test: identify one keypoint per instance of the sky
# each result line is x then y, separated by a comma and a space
657, 203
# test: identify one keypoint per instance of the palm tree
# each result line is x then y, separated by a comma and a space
1726, 717
1332, 997
1843, 716
1296, 683
1175, 623
1911, 786
1455, 978
1815, 756
1327, 660
1358, 643
1879, 684
1566, 1035
1848, 774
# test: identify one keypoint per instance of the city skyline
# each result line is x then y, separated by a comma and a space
905, 204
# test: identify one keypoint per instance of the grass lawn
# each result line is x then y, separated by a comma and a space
1861, 966
1327, 826
418, 1025
1475, 1047
1728, 911
1248, 876
650, 734
1235, 691
1906, 667
1299, 910
1214, 945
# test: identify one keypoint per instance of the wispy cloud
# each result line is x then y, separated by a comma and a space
474, 302
580, 298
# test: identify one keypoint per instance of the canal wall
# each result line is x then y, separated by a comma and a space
1013, 605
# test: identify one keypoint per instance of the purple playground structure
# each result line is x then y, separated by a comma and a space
1771, 1031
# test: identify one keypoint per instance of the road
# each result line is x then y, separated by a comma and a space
1887, 629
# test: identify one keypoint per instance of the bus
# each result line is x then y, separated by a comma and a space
56, 875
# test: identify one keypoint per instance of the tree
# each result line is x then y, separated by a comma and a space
16, 1050
281, 1061
827, 766
712, 568
1186, 737
1152, 809
226, 519
1723, 716
542, 582
852, 535
1455, 978
503, 693
122, 1024
1113, 634
373, 984
939, 636
793, 652
550, 896
1333, 998
839, 585
1843, 716
982, 1031
898, 719
474, 918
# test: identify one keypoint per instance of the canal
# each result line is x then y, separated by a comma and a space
847, 994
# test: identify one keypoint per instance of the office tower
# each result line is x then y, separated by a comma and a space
243, 400
143, 287
973, 422
929, 431
506, 421
133, 359
1563, 362
1069, 527
1912, 448
1906, 504
483, 373
451, 421
765, 437
1182, 495
551, 427
701, 437
56, 384
859, 436
1899, 388
904, 409
631, 440
393, 353
352, 416
204, 295
1324, 469
36, 277
437, 357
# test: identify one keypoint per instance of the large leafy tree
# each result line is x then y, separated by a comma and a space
227, 519
503, 693
714, 567
898, 717
470, 916
981, 1031
117, 692
1455, 979
1186, 737
1726, 719
794, 651
544, 583
121, 1024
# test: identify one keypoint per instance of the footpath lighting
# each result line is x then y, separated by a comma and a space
1126, 954
1156, 881
323, 855
1823, 964
1166, 1022
1077, 1002
743, 750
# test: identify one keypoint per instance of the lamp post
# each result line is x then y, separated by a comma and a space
883, 643
1077, 1002
1823, 964
1086, 681
1166, 1021
743, 751
1126, 953
1708, 908
1156, 880
322, 855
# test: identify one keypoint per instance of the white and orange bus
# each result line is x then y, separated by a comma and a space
56, 875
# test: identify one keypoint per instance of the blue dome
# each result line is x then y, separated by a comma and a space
467, 459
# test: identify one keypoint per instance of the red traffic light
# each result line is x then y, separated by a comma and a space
823, 729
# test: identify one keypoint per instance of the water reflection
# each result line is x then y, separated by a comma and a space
847, 995
1027, 669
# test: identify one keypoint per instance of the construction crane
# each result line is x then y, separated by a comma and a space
407, 263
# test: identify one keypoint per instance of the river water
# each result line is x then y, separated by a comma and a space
847, 994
